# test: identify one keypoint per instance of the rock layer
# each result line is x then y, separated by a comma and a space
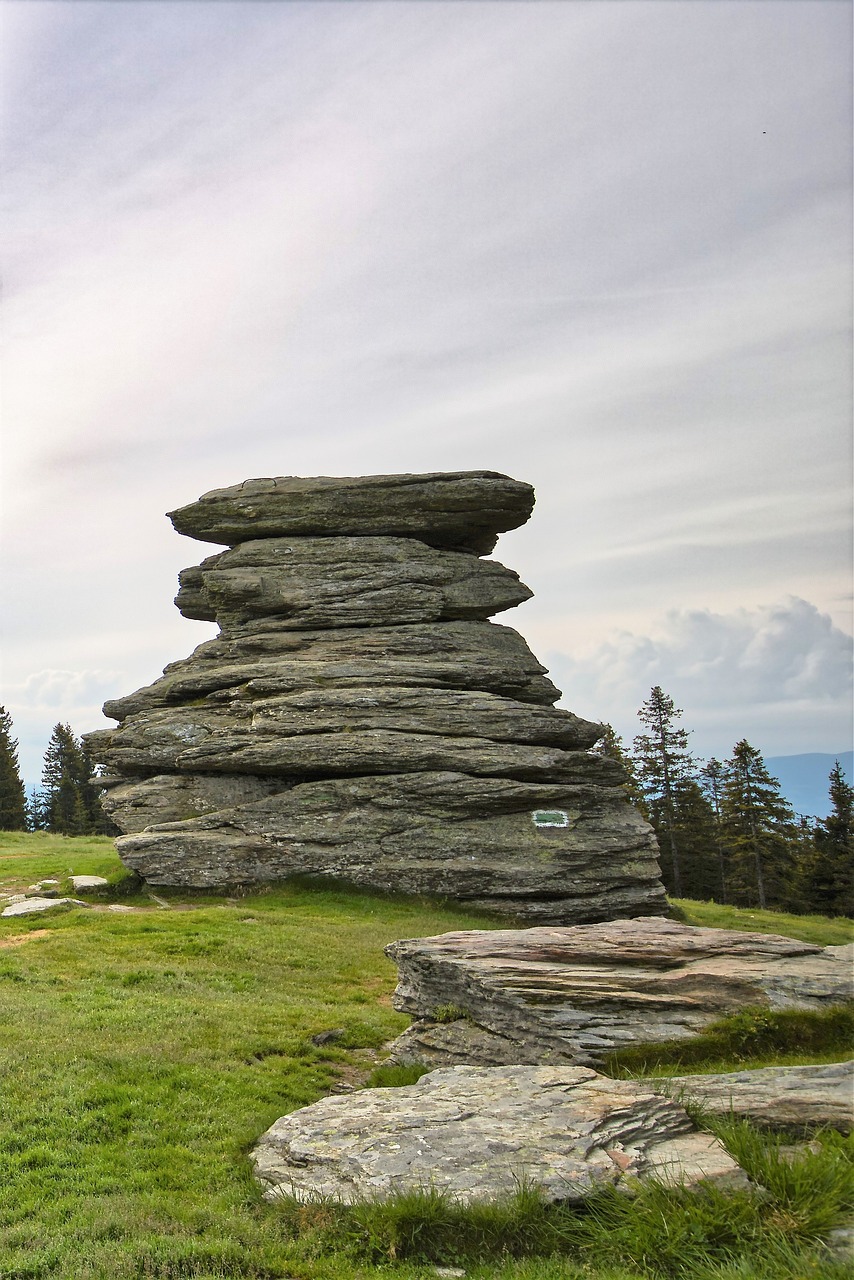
480, 1133
359, 717
790, 1099
465, 510
576, 994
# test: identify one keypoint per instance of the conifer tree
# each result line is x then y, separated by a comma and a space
13, 800
712, 781
70, 794
759, 830
610, 745
663, 763
827, 880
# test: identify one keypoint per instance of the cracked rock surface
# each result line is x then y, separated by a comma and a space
479, 1132
359, 717
576, 994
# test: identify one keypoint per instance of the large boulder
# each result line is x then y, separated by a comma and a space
465, 510
479, 1133
782, 1098
576, 994
358, 717
345, 582
447, 834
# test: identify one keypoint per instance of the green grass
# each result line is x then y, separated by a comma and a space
822, 930
751, 1038
142, 1053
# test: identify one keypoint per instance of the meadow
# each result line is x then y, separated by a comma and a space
143, 1051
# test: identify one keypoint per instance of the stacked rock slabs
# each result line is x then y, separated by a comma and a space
359, 717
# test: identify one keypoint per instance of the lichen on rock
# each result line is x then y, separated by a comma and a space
359, 717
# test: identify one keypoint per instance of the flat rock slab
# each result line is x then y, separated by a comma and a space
460, 509
345, 582
269, 658
784, 1098
88, 882
578, 993
33, 906
479, 1132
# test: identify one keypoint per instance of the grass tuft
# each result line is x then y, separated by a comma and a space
750, 1036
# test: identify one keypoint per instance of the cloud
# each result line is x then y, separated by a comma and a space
781, 671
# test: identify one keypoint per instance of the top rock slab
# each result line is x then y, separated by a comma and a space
461, 510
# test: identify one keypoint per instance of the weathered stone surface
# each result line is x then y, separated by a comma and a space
582, 992
785, 1098
459, 509
278, 660
345, 582
136, 803
35, 906
478, 1132
88, 882
439, 833
358, 718
360, 731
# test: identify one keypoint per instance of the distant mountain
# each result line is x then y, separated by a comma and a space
804, 779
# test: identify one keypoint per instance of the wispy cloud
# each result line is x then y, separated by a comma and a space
605, 248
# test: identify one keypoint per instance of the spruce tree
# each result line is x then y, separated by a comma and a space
663, 763
70, 792
712, 777
759, 830
610, 745
13, 799
828, 873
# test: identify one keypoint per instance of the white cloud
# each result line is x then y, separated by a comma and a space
781, 673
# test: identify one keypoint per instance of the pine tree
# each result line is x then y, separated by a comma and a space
70, 792
13, 800
759, 830
610, 745
694, 827
663, 763
712, 781
827, 880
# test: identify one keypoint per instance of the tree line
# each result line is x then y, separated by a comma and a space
69, 799
725, 830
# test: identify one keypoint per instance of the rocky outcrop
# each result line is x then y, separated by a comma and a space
359, 717
576, 994
478, 1133
782, 1098
463, 510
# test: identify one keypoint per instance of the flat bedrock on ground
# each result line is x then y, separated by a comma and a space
479, 1132
578, 993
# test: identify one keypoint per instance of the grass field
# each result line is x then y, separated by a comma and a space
142, 1052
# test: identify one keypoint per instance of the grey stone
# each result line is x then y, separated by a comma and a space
358, 731
448, 834
785, 1098
345, 582
479, 1132
358, 718
583, 991
271, 659
135, 803
461, 509
88, 882
34, 906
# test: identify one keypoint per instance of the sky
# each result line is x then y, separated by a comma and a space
602, 247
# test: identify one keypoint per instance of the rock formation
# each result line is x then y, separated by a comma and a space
359, 717
551, 995
784, 1098
479, 1133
